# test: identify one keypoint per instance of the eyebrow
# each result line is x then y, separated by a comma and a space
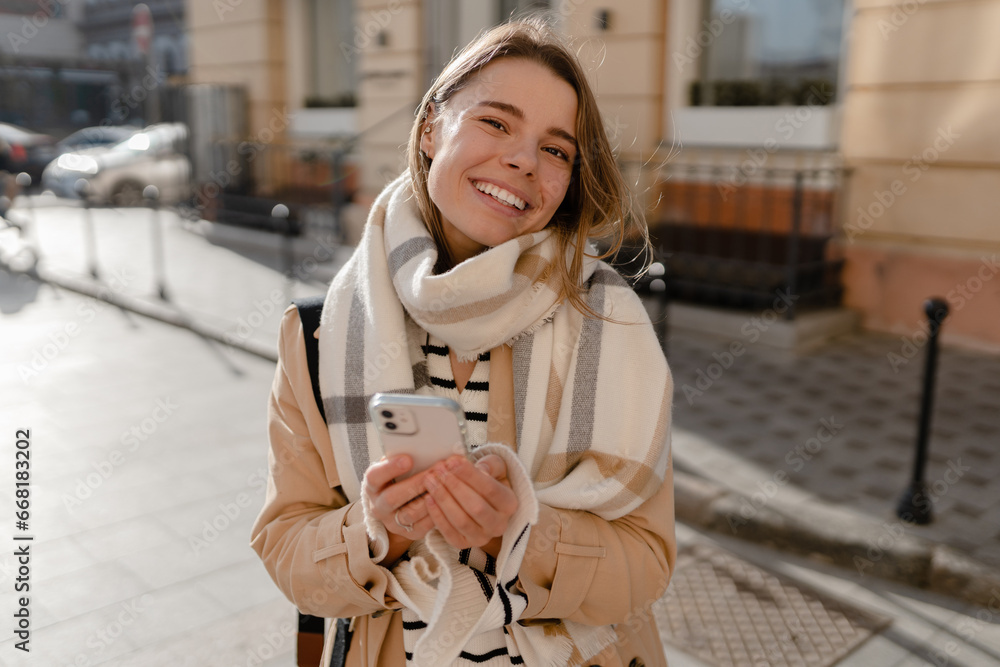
516, 112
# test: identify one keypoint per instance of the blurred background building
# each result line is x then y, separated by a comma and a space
845, 151
68, 65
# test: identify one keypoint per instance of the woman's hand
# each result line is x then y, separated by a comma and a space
398, 505
470, 504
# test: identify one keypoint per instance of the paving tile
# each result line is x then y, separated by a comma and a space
91, 637
59, 557
262, 636
89, 589
172, 611
112, 541
240, 586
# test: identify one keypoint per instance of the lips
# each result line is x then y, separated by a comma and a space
503, 196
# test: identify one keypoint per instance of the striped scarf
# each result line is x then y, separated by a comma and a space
580, 444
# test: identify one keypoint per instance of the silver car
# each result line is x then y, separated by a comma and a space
118, 174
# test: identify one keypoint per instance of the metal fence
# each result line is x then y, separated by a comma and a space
313, 181
739, 234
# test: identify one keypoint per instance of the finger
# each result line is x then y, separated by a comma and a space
469, 514
401, 493
419, 528
443, 524
470, 485
412, 512
493, 466
382, 472
490, 465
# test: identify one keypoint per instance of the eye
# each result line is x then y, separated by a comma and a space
493, 122
558, 152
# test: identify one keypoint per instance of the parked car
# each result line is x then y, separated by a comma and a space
27, 151
95, 137
118, 174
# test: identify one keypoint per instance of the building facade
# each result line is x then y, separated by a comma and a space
832, 120
65, 65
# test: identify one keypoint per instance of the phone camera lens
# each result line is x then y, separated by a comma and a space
387, 414
391, 426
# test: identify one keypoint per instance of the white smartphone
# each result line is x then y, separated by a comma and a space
427, 428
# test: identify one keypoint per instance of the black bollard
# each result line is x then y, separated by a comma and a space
152, 196
283, 224
915, 505
23, 181
82, 187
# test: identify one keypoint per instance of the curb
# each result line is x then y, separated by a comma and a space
156, 311
326, 256
837, 536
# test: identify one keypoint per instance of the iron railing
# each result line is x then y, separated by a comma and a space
314, 181
728, 235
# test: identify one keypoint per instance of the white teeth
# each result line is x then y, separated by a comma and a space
501, 195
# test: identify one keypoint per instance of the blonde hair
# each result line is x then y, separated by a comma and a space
598, 203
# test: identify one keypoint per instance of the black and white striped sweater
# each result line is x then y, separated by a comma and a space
494, 647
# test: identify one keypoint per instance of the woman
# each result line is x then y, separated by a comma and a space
549, 544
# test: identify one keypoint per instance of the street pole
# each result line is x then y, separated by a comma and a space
152, 196
915, 504
283, 224
82, 187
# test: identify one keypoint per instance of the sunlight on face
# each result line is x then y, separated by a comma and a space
503, 152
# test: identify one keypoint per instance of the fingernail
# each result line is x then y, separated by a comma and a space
484, 467
453, 462
402, 463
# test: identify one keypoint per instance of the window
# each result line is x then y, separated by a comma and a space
510, 8
768, 52
333, 75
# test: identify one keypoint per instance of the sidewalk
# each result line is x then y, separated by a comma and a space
130, 511
148, 466
812, 451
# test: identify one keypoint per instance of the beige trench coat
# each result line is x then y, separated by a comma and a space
312, 542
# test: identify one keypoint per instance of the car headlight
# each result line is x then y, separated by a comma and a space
80, 163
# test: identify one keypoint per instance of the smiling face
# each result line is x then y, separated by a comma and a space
502, 155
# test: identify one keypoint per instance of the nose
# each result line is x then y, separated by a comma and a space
521, 156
